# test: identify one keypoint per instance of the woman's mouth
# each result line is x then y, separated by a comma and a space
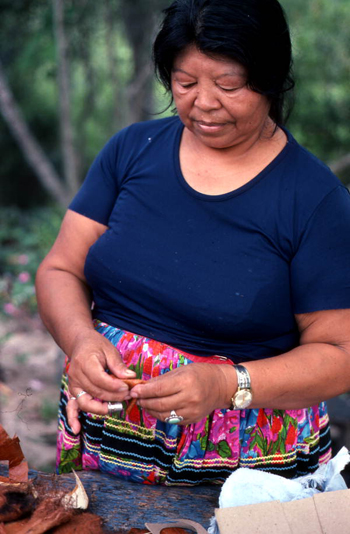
209, 127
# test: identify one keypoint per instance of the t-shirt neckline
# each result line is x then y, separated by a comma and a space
215, 198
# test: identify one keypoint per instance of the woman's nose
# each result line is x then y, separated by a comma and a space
206, 99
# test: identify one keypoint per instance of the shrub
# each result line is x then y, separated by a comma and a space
25, 238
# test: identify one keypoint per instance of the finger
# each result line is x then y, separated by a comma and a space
73, 415
163, 416
99, 384
117, 366
188, 418
91, 373
132, 382
162, 407
88, 403
160, 386
119, 369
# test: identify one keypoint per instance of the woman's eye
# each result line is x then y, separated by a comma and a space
228, 89
187, 85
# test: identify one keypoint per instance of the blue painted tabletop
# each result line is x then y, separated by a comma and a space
126, 505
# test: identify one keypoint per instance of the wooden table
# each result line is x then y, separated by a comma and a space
124, 505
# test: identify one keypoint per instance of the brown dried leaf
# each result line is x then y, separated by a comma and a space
130, 406
48, 514
81, 524
11, 451
16, 501
132, 382
15, 527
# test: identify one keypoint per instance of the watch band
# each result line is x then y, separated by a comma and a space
243, 376
243, 396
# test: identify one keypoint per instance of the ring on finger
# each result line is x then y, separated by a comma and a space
82, 392
114, 407
173, 418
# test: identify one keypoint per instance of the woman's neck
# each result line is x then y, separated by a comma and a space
215, 171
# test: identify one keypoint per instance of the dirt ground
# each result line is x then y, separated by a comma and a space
30, 367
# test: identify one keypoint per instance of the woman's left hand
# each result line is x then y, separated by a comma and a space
192, 391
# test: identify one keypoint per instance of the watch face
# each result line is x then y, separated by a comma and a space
243, 398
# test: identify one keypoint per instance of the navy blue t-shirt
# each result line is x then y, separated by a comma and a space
210, 274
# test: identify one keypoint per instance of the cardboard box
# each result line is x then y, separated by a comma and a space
324, 513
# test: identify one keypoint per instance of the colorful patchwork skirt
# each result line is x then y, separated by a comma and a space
140, 448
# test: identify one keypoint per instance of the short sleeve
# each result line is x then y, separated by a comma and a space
320, 269
99, 191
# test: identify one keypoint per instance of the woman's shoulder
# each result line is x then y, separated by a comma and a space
309, 169
298, 187
306, 179
129, 142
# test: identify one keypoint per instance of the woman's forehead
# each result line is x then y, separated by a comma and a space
191, 58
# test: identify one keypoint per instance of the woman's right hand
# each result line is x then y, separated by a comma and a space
91, 356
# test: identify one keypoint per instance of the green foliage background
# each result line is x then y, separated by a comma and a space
321, 39
29, 219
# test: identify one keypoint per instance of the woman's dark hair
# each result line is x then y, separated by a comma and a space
253, 32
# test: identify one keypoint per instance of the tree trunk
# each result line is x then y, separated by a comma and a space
68, 152
139, 21
118, 113
30, 147
88, 99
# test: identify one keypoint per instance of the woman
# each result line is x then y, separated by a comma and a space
204, 240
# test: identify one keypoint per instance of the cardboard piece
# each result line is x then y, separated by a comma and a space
267, 517
302, 516
333, 510
324, 513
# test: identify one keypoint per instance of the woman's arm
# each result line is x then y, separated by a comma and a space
316, 370
65, 307
63, 296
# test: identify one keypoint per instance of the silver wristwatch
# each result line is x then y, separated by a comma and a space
243, 396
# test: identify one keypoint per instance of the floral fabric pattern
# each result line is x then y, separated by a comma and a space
141, 448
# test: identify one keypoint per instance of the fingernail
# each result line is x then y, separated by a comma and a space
123, 389
133, 394
129, 372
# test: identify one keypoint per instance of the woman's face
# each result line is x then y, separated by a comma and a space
214, 102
